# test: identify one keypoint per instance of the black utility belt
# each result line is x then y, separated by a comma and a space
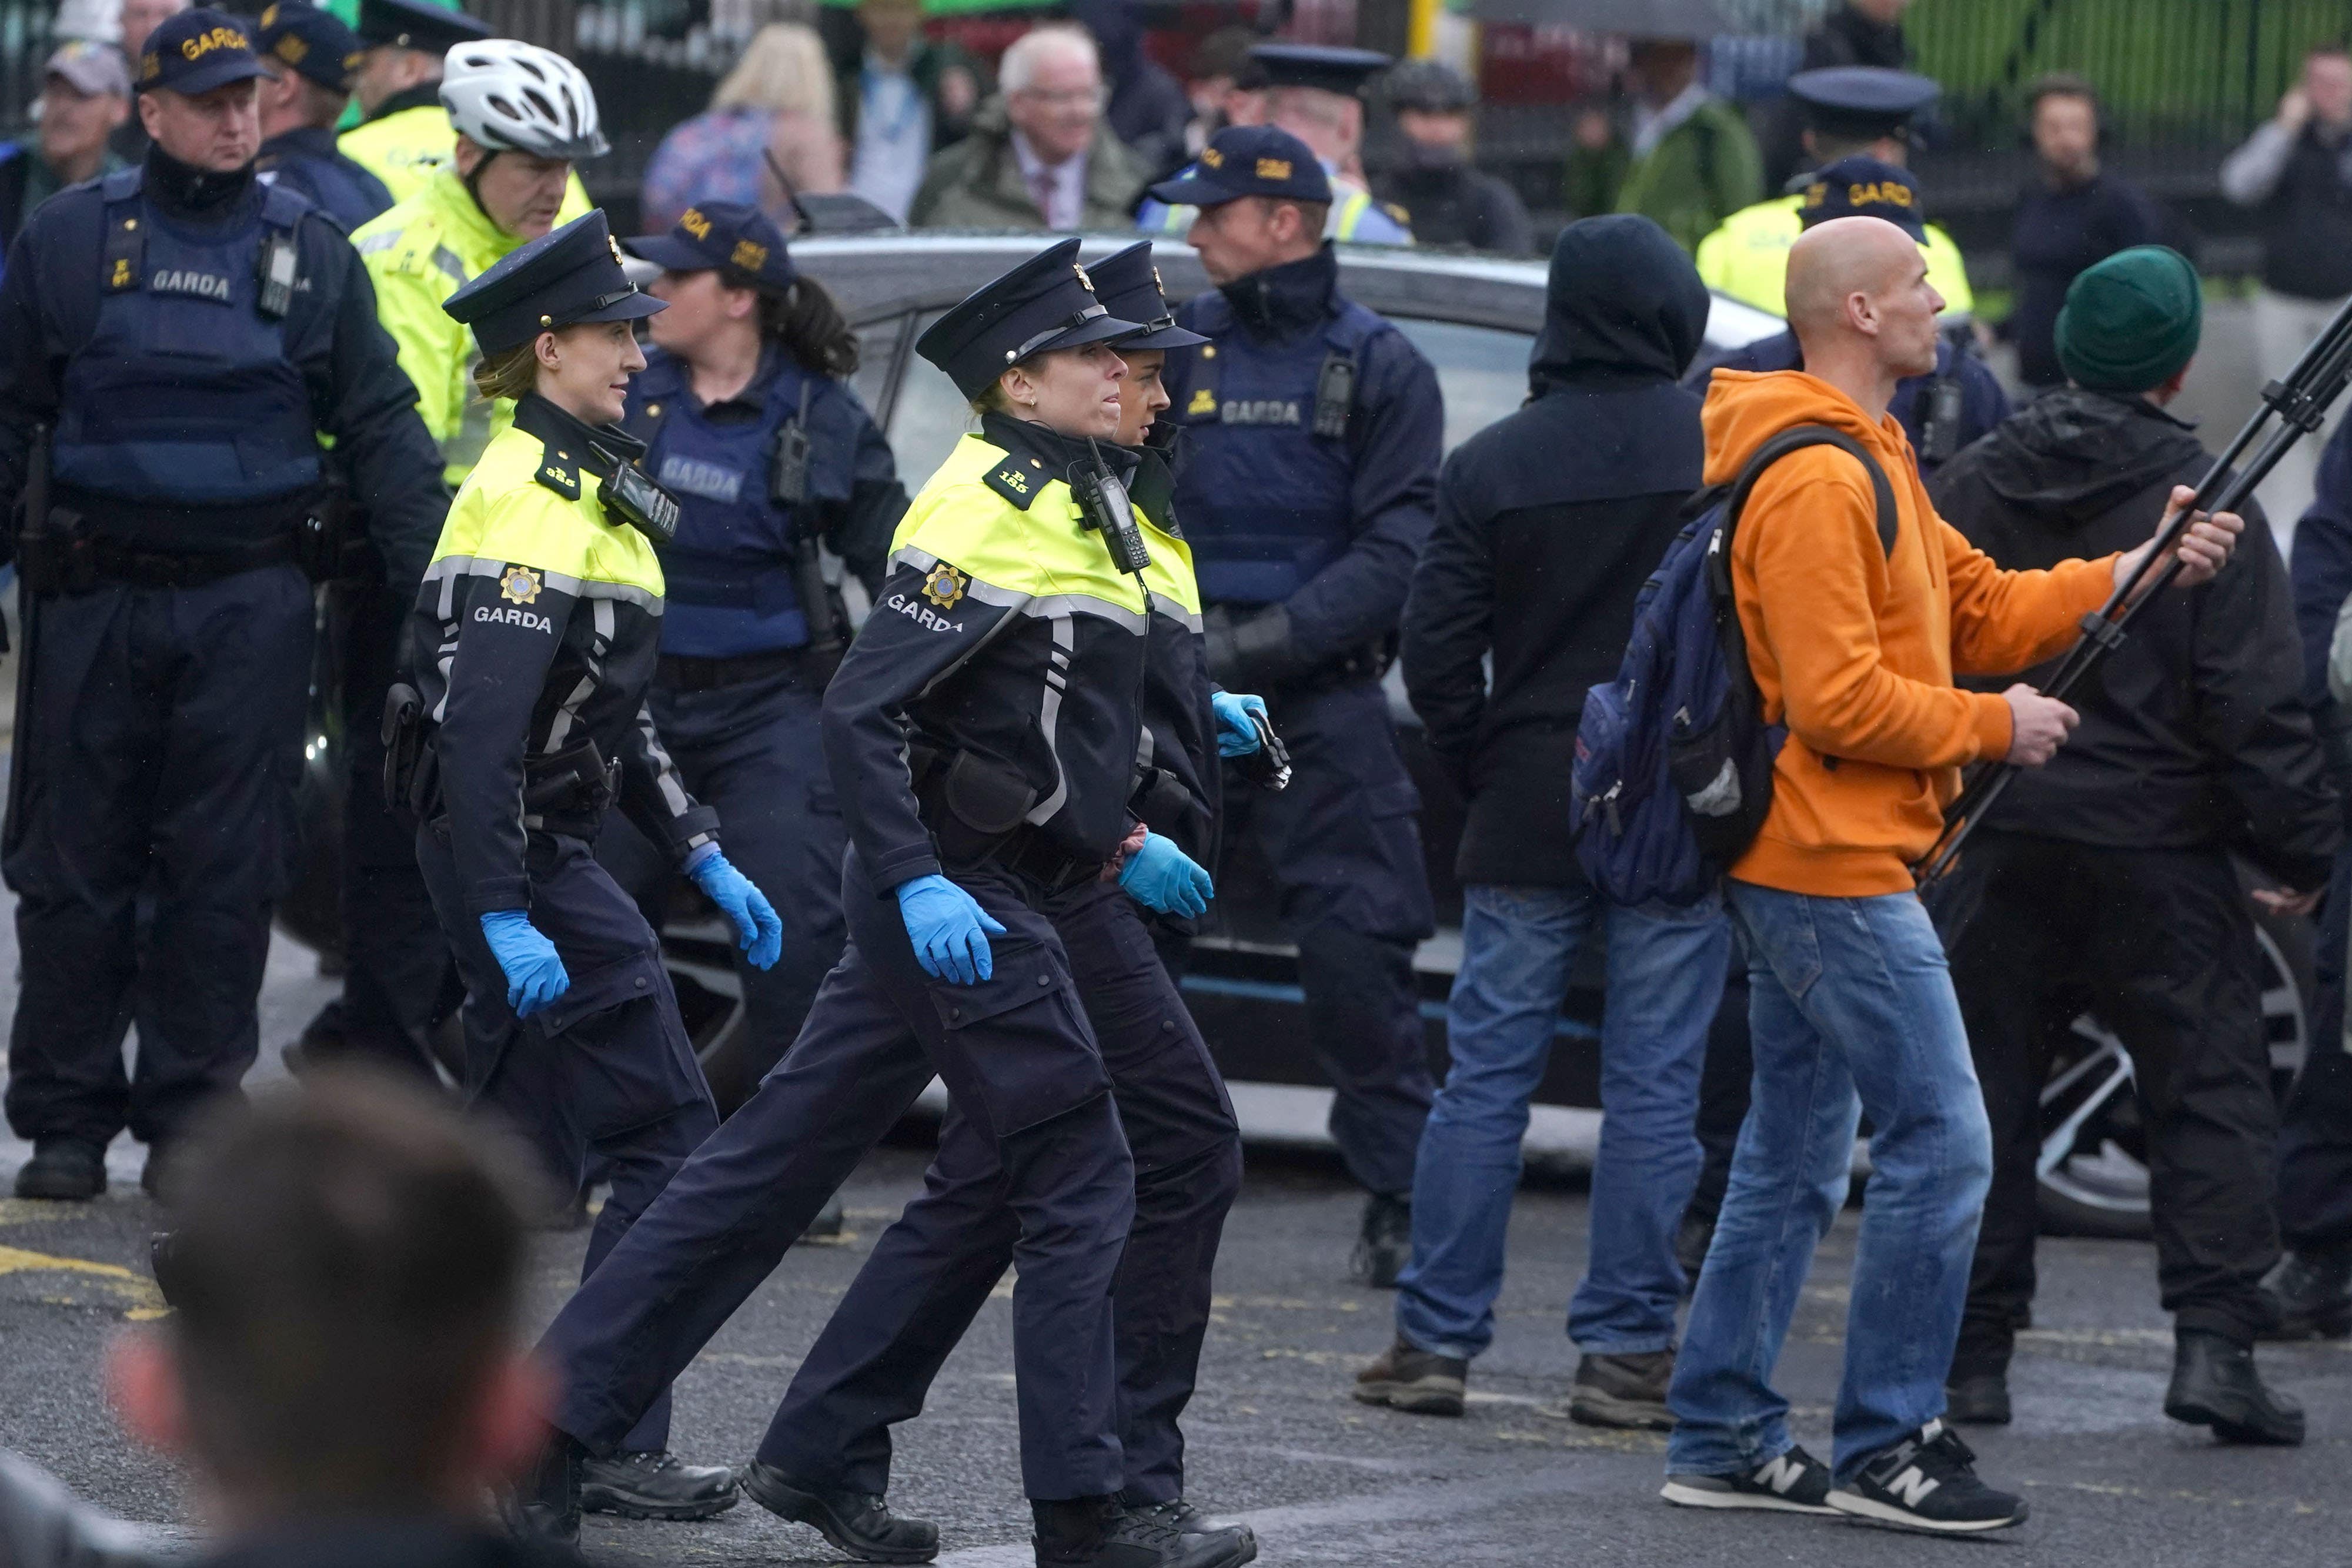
695, 673
64, 555
1370, 662
977, 809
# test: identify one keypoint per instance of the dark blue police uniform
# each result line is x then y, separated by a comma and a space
316, 45
1306, 486
1942, 412
982, 733
534, 636
930, 1272
189, 336
752, 631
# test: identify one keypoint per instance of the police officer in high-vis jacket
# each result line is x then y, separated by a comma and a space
783, 482
1306, 484
533, 640
404, 136
983, 733
186, 335
825, 1460
312, 55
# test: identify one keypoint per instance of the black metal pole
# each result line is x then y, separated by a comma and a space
2300, 402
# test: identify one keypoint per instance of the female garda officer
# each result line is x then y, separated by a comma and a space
825, 1460
982, 734
535, 631
774, 462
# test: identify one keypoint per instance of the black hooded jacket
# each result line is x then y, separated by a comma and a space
1548, 523
2196, 733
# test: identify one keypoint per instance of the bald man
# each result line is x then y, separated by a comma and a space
1853, 638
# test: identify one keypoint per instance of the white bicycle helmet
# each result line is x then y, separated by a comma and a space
515, 97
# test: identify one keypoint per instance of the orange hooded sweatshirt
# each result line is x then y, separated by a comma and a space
1854, 648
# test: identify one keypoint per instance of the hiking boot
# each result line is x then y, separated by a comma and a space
1793, 1482
2215, 1384
65, 1169
1385, 1245
1404, 1378
1099, 1533
1623, 1391
2313, 1290
858, 1523
1186, 1520
1977, 1400
1927, 1481
655, 1486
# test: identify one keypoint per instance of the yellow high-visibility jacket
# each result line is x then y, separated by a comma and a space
1748, 258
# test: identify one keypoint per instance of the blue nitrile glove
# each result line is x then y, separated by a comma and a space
761, 933
1237, 736
1161, 877
949, 930
534, 974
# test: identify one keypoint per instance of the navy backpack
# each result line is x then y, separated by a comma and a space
1674, 760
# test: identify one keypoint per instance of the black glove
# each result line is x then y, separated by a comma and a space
1250, 654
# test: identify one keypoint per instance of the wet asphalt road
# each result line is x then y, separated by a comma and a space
1274, 1434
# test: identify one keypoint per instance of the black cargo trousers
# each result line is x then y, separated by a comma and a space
2159, 944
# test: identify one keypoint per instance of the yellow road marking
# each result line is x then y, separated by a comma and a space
145, 1301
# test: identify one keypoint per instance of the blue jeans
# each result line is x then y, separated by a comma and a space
1851, 1009
1518, 949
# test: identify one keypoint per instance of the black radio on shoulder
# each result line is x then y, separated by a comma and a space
788, 459
630, 497
1103, 503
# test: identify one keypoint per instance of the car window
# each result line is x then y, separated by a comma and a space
1482, 371
930, 417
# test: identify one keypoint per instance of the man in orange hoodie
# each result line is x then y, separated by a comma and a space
1853, 646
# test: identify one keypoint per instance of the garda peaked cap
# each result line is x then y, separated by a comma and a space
565, 278
1127, 283
1045, 303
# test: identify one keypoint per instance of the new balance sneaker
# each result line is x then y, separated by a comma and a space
1793, 1482
1414, 1380
1927, 1481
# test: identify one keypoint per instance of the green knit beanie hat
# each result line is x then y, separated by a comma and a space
2132, 322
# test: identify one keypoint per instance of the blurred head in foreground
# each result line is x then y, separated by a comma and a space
345, 1268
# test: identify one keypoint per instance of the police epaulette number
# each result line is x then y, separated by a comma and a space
1018, 480
558, 474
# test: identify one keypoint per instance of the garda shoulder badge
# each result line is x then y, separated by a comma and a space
519, 584
1018, 480
559, 472
944, 585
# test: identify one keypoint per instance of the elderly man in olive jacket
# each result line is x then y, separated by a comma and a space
1041, 157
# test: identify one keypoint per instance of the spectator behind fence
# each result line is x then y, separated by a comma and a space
1448, 198
85, 96
1694, 162
904, 98
1854, 33
2073, 213
1039, 156
2295, 171
1547, 525
776, 103
1853, 642
2105, 878
341, 1371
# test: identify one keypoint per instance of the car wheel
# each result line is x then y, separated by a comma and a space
2091, 1170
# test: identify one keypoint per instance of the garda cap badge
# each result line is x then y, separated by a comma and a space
520, 584
944, 585
1083, 281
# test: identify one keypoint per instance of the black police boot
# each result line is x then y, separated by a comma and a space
1385, 1246
1186, 1520
2215, 1384
2313, 1290
1977, 1400
828, 1224
655, 1486
1098, 1532
545, 1504
63, 1168
858, 1523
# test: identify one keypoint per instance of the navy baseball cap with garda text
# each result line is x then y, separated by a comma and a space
722, 236
1249, 161
312, 43
1861, 188
196, 51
